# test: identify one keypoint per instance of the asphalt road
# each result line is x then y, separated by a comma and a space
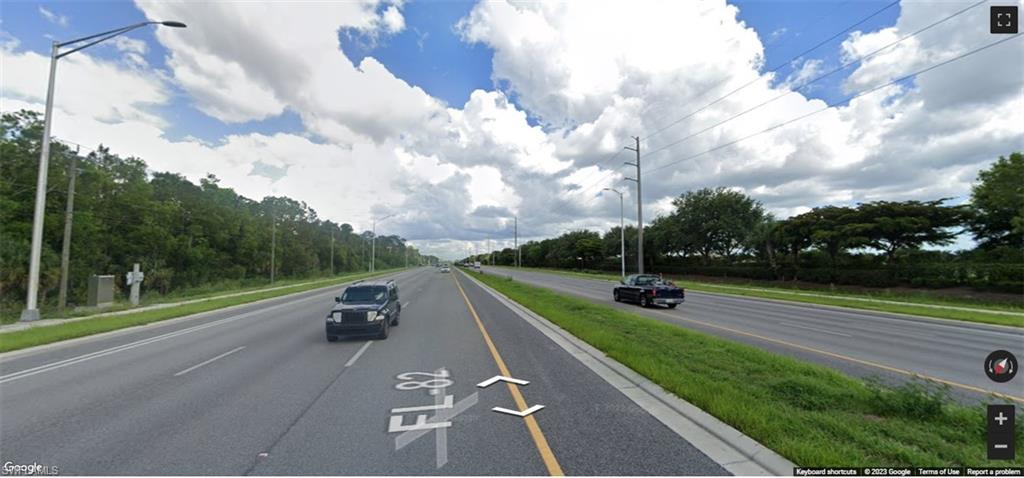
862, 343
259, 391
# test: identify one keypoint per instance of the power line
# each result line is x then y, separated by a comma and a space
816, 79
772, 70
839, 102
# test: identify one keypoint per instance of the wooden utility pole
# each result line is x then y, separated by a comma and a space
273, 246
65, 252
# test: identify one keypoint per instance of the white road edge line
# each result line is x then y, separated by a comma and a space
815, 329
200, 364
29, 351
358, 354
730, 448
100, 353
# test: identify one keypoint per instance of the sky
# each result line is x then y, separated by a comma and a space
459, 116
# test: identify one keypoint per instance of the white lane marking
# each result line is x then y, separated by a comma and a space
521, 414
815, 329
225, 354
405, 305
358, 353
101, 353
496, 378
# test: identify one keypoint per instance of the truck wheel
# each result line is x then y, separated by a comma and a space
615, 295
671, 306
644, 302
384, 328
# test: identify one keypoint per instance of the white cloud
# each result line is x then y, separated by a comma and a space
101, 89
60, 20
593, 74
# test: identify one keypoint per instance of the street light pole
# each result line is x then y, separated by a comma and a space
622, 229
31, 311
373, 244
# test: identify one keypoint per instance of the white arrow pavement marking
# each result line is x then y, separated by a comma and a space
521, 414
496, 378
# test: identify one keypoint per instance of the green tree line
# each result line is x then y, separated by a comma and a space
184, 235
723, 232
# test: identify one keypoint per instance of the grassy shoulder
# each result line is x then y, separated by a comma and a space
54, 333
789, 406
922, 305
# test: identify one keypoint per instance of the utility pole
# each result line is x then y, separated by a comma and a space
31, 310
332, 252
639, 208
515, 234
65, 252
622, 229
273, 246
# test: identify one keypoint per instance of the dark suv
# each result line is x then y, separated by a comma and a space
365, 308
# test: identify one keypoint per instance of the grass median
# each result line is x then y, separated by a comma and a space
79, 328
810, 414
921, 305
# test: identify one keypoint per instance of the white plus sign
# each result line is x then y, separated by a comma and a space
1001, 418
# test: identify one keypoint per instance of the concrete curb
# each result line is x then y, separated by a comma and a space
734, 451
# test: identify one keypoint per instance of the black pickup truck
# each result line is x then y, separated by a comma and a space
647, 290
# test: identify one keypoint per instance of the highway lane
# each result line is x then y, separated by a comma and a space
258, 390
862, 343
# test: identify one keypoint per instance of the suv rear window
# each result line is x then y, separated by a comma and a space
365, 294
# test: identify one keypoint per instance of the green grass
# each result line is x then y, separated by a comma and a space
810, 414
54, 333
913, 304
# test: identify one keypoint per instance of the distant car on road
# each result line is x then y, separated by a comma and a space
647, 290
445, 269
365, 308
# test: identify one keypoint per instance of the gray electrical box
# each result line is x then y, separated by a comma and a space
101, 291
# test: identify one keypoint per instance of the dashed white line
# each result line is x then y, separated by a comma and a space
225, 354
102, 353
358, 353
815, 329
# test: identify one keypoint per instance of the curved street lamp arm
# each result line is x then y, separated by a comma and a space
114, 31
101, 37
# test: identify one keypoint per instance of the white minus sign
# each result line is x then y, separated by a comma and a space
1000, 446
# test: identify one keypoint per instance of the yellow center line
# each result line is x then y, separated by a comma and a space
845, 357
554, 469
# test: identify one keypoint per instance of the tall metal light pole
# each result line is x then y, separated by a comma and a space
31, 311
622, 228
373, 243
639, 208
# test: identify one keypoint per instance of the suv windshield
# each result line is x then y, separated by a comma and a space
364, 294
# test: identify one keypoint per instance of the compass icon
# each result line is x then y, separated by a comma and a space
1001, 366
